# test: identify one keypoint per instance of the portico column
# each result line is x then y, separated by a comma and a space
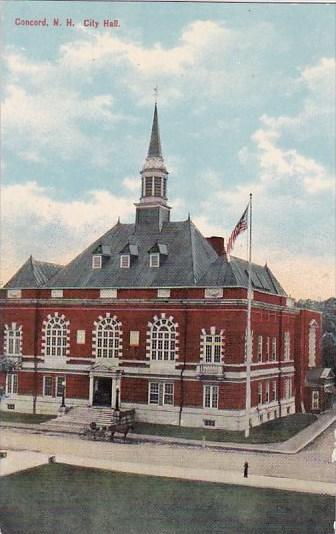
91, 390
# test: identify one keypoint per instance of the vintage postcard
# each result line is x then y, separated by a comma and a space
168, 268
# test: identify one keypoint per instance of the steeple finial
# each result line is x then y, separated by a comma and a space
154, 150
156, 94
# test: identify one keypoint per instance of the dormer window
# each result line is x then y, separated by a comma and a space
157, 254
125, 261
96, 261
128, 255
154, 259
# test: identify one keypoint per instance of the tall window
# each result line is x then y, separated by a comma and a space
274, 348
267, 392
56, 336
210, 396
268, 348
154, 259
287, 346
157, 186
107, 338
163, 339
12, 339
288, 388
274, 390
161, 393
11, 383
260, 348
312, 344
212, 346
260, 393
47, 386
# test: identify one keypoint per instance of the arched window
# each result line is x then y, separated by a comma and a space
212, 346
56, 335
163, 344
107, 337
13, 340
312, 344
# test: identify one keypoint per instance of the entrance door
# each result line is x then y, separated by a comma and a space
102, 394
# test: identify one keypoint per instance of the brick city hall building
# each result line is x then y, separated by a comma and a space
152, 316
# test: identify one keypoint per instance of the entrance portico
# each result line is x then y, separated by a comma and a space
105, 381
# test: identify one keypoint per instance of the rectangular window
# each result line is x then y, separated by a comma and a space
260, 348
163, 293
60, 383
274, 348
149, 186
260, 396
315, 400
157, 186
287, 346
12, 384
210, 396
125, 261
288, 388
80, 337
56, 293
108, 294
47, 386
134, 338
96, 261
267, 348
161, 393
267, 392
274, 390
154, 260
14, 293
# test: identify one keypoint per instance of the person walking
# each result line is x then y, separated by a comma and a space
246, 466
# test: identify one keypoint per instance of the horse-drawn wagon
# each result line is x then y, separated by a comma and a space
122, 422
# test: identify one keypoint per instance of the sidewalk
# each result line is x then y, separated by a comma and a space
291, 446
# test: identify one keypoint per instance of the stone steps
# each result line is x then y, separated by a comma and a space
81, 416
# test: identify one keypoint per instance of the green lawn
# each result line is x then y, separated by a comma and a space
13, 417
58, 498
273, 431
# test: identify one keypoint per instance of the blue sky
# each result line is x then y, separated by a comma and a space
246, 104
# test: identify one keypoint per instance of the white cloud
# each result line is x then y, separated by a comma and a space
58, 230
132, 184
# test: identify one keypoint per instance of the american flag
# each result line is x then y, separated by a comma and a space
240, 227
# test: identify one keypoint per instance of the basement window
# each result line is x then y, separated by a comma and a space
209, 422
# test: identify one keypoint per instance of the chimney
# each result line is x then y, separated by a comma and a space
217, 244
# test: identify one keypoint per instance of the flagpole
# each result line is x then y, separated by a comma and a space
249, 332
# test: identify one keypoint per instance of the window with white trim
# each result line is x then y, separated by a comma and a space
125, 261
260, 393
12, 340
288, 388
267, 392
154, 259
97, 261
56, 336
11, 383
60, 384
274, 390
260, 348
267, 348
274, 348
47, 386
312, 344
161, 393
210, 396
287, 346
163, 340
107, 338
212, 347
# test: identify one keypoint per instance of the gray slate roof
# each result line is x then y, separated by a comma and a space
190, 261
33, 273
